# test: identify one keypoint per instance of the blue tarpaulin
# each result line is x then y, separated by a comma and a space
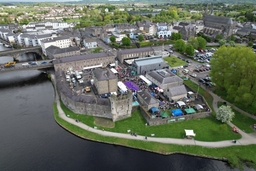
154, 109
176, 112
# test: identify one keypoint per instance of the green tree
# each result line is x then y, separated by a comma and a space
190, 50
201, 43
250, 44
232, 43
141, 37
222, 42
233, 70
176, 36
193, 41
126, 41
112, 39
225, 114
218, 37
180, 45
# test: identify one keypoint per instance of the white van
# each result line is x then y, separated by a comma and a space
185, 71
78, 76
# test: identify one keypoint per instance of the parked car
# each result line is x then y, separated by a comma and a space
44, 62
32, 63
25, 64
193, 75
201, 80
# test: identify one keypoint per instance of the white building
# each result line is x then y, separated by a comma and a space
90, 43
61, 42
164, 34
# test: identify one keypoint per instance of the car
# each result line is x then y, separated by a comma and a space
32, 63
185, 66
197, 70
193, 75
43, 62
50, 61
25, 64
201, 80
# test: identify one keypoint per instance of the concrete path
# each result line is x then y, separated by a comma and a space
245, 140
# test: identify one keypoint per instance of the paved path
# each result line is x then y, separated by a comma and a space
245, 140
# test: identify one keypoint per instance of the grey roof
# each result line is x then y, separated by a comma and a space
103, 74
164, 76
82, 57
55, 39
137, 50
218, 19
147, 97
148, 60
56, 50
179, 90
40, 36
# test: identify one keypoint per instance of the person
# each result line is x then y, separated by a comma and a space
146, 137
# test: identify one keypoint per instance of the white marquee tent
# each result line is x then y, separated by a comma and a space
189, 132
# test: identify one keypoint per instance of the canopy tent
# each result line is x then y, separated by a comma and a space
190, 132
176, 112
145, 80
190, 111
190, 92
131, 85
181, 103
122, 87
199, 107
114, 71
164, 114
154, 109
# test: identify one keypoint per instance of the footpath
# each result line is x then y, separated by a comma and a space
246, 139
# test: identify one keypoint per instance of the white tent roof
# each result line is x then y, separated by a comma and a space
190, 92
190, 132
181, 103
198, 106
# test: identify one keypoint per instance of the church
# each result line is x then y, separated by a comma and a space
214, 25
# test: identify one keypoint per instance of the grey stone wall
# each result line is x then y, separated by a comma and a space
92, 109
160, 121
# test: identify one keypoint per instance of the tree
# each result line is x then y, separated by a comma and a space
225, 114
250, 44
233, 70
201, 43
222, 42
193, 41
190, 50
180, 45
232, 43
141, 37
112, 39
126, 41
176, 36
218, 37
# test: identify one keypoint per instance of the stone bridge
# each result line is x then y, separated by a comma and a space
15, 53
20, 67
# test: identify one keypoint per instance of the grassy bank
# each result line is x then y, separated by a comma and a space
236, 155
174, 61
242, 121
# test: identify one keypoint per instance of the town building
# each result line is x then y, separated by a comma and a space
127, 54
82, 61
147, 100
61, 42
144, 65
105, 80
54, 52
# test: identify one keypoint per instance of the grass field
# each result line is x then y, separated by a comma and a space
236, 155
174, 61
243, 122
207, 129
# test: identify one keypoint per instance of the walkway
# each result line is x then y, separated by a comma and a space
245, 140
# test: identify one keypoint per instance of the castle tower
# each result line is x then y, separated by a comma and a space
121, 106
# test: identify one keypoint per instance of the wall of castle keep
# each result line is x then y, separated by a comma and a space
121, 106
92, 109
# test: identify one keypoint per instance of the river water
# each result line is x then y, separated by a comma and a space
32, 140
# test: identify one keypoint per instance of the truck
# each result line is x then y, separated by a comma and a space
10, 64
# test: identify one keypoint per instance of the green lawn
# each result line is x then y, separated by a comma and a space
207, 129
235, 155
242, 121
174, 61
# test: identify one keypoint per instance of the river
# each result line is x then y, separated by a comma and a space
32, 140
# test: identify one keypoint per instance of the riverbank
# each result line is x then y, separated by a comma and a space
235, 154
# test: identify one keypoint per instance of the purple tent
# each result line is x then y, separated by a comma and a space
131, 85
